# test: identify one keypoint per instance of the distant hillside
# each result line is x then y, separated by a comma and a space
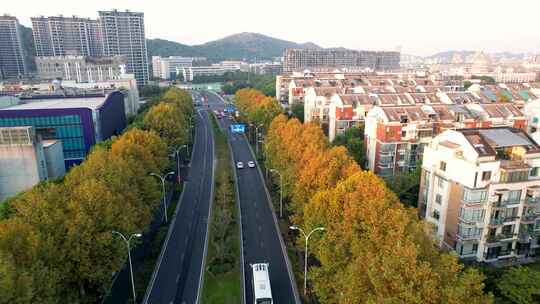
448, 55
237, 46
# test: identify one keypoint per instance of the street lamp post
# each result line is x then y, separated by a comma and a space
127, 240
162, 178
176, 153
280, 191
306, 250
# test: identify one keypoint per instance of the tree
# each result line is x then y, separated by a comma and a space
520, 285
406, 186
168, 121
353, 140
467, 84
297, 111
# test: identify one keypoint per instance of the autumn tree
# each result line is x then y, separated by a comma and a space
168, 121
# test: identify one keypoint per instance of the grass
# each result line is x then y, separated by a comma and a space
222, 274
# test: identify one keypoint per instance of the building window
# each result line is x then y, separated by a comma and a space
403, 133
473, 196
534, 171
486, 175
436, 214
438, 199
442, 166
440, 182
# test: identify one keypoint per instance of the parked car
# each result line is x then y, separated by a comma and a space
251, 164
240, 165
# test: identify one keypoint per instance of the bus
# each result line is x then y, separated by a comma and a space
262, 292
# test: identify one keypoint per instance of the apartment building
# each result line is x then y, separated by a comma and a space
11, 52
80, 68
480, 188
347, 111
61, 36
317, 103
124, 35
395, 136
300, 59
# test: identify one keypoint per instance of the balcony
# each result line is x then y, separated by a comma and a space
501, 237
468, 237
504, 203
496, 221
530, 218
532, 201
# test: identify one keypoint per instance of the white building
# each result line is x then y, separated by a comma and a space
80, 68
26, 160
480, 189
166, 67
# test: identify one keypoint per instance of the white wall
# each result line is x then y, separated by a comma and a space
21, 167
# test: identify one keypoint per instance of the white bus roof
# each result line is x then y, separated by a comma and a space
261, 281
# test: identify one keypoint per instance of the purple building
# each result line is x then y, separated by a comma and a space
78, 122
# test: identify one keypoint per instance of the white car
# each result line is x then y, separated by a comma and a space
240, 165
251, 164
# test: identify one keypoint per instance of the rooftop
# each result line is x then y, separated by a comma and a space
490, 141
92, 103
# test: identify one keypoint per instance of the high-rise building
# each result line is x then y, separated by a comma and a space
80, 68
299, 59
61, 36
11, 52
123, 34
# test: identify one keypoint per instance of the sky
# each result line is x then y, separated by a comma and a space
419, 27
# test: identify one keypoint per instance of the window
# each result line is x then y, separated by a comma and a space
472, 196
436, 214
403, 133
442, 166
534, 171
472, 215
438, 199
440, 182
512, 197
486, 175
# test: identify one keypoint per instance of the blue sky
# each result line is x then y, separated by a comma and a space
420, 27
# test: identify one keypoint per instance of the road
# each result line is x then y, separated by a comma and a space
261, 239
178, 274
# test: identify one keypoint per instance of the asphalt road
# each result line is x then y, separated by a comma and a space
177, 277
261, 239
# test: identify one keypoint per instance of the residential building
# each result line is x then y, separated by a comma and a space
480, 188
317, 103
80, 68
166, 67
347, 111
395, 135
11, 52
124, 35
78, 121
301, 59
61, 36
26, 160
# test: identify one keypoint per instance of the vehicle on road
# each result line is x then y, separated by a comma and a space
251, 164
261, 284
240, 165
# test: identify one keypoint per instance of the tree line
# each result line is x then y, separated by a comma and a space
374, 249
255, 107
56, 241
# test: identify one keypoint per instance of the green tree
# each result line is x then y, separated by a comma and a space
520, 285
297, 111
353, 140
406, 186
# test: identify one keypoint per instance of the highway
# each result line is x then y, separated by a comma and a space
177, 277
262, 241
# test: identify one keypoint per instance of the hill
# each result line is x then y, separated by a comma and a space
237, 46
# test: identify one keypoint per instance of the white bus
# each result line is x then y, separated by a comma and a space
262, 292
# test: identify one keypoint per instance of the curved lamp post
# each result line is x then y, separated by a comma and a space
306, 236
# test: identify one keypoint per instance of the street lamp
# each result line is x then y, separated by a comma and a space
306, 251
162, 178
137, 235
280, 191
176, 153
